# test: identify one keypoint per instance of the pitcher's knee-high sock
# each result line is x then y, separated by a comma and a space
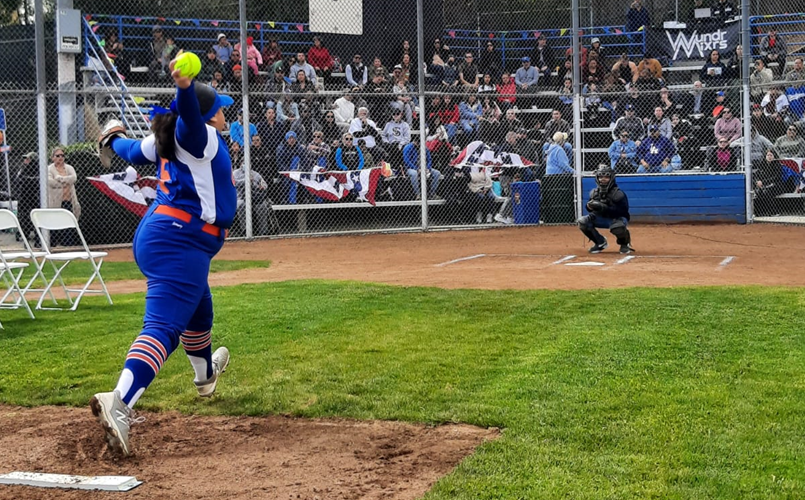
198, 347
145, 358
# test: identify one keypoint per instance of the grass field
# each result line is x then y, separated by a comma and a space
79, 272
639, 393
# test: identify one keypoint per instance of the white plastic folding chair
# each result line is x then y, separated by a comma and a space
37, 258
11, 272
54, 219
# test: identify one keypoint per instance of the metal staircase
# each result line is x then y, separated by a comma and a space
112, 96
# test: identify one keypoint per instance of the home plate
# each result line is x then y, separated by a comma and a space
589, 263
106, 483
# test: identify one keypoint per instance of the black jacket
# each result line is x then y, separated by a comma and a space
616, 203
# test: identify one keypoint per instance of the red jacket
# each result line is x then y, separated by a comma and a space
449, 115
319, 57
507, 92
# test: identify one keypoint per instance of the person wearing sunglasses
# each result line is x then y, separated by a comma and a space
723, 158
61, 194
790, 145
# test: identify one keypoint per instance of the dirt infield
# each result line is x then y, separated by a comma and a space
523, 258
275, 457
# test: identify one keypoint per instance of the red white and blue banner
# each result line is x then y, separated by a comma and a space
336, 185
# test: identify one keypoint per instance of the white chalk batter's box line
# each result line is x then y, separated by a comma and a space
568, 260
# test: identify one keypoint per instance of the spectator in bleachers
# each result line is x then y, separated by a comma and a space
271, 133
320, 58
209, 65
480, 187
694, 102
592, 101
714, 72
450, 115
236, 130
471, 112
692, 20
405, 50
583, 52
775, 102
640, 102
543, 59
766, 125
272, 54
666, 102
440, 52
557, 155
114, 52
378, 73
438, 142
759, 80
317, 153
623, 154
468, 74
306, 125
507, 92
767, 176
790, 145
396, 134
592, 73
450, 73
349, 156
344, 109
728, 126
735, 63
637, 17
364, 130
492, 130
566, 71
723, 10
253, 57
157, 47
223, 49
277, 85
169, 51
303, 89
229, 66
408, 70
629, 123
489, 62
235, 84
287, 110
260, 201
798, 73
655, 152
410, 155
684, 140
773, 50
759, 145
722, 158
717, 106
357, 74
218, 82
332, 132
662, 123
625, 71
487, 85
404, 100
647, 83
526, 79
511, 123
652, 64
490, 119
302, 64
595, 46
565, 100
290, 156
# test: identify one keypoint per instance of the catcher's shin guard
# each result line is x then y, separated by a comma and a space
620, 231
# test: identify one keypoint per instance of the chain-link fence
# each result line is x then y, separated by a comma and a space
346, 118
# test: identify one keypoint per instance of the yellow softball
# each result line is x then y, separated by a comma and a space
188, 64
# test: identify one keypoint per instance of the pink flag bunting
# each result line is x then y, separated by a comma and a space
138, 19
214, 23
537, 34
617, 31
95, 28
452, 34
301, 28
258, 26
491, 35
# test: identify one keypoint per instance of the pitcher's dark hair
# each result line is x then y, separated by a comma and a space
164, 128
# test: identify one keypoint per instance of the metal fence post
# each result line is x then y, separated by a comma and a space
746, 146
577, 100
247, 197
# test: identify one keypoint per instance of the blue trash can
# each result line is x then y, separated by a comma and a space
525, 202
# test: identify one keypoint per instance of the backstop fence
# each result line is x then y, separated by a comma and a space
351, 116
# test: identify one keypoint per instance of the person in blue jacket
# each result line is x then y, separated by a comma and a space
349, 156
411, 159
623, 154
557, 159
173, 246
608, 209
655, 152
236, 130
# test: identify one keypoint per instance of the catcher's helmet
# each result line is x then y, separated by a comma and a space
605, 171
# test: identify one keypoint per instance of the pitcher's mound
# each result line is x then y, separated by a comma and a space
180, 456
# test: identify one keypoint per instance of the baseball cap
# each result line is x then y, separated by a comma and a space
398, 66
756, 106
595, 40
653, 127
237, 67
221, 35
30, 156
629, 107
157, 28
526, 59
396, 111
720, 93
290, 134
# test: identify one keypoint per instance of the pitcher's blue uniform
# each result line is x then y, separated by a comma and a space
175, 242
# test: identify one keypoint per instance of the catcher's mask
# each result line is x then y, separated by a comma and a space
605, 177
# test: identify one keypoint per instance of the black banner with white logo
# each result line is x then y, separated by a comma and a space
693, 43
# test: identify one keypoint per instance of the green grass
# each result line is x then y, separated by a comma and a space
79, 272
641, 393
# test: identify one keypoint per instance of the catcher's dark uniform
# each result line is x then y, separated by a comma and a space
609, 209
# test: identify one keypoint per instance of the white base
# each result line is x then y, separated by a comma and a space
105, 483
591, 263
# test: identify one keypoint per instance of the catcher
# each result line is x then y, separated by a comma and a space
173, 247
609, 209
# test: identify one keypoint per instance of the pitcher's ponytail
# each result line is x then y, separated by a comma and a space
164, 128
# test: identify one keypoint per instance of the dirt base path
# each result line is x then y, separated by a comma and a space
181, 457
523, 258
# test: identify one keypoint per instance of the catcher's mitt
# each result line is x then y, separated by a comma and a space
595, 206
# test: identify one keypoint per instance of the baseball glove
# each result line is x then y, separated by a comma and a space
595, 206
112, 129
